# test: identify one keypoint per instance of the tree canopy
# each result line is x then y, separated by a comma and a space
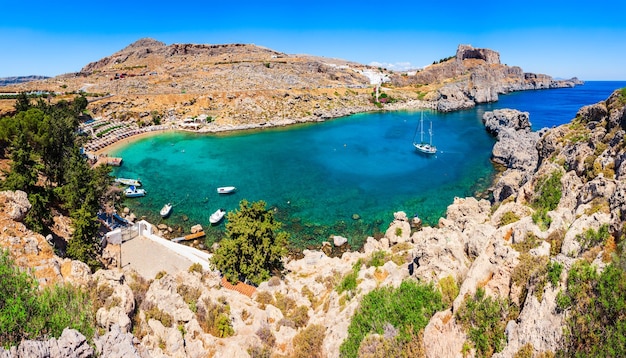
254, 245
43, 143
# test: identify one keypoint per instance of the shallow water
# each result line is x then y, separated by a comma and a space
319, 176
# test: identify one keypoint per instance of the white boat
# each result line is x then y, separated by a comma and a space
217, 216
422, 146
226, 189
126, 181
133, 192
166, 210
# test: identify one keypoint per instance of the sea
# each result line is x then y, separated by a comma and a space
345, 176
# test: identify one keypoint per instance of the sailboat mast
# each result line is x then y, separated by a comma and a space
422, 128
430, 131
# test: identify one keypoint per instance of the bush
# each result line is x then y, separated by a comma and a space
214, 318
28, 313
508, 218
554, 272
377, 259
484, 318
591, 237
449, 290
407, 308
196, 267
308, 342
547, 197
597, 302
349, 281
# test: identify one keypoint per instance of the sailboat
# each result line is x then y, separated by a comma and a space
423, 147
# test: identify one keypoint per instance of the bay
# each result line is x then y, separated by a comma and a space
319, 177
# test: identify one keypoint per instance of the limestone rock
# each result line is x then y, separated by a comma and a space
339, 240
15, 204
71, 344
116, 344
196, 228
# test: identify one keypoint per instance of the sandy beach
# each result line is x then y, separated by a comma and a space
122, 142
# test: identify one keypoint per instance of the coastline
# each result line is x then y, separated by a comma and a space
114, 142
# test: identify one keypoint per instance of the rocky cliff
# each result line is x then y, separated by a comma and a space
500, 248
474, 76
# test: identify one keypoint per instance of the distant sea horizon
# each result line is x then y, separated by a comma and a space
345, 176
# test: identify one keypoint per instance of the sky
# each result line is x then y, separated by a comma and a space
563, 39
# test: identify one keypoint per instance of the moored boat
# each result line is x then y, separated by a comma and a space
133, 192
423, 147
226, 190
217, 216
166, 210
127, 181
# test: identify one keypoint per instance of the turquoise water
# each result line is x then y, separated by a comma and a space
318, 176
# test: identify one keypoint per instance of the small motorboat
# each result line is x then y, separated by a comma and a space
166, 210
133, 192
126, 181
217, 216
226, 190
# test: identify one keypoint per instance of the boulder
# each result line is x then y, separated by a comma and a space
339, 240
116, 344
196, 229
15, 204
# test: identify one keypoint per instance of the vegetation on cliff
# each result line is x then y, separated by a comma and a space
42, 142
254, 245
29, 313
397, 314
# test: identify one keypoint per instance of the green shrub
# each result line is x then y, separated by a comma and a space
554, 272
591, 237
407, 309
449, 290
597, 306
377, 259
214, 318
151, 311
29, 313
547, 197
530, 271
349, 281
484, 320
508, 218
264, 298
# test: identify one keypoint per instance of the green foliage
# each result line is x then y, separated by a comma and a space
547, 198
28, 313
554, 272
349, 281
254, 245
555, 239
377, 259
151, 311
484, 318
591, 237
508, 218
214, 318
449, 290
407, 308
597, 303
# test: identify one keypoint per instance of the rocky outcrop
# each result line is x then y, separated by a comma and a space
71, 344
515, 149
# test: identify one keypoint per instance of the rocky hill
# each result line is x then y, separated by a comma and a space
243, 84
5, 81
558, 207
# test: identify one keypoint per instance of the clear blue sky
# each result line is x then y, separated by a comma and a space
563, 39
